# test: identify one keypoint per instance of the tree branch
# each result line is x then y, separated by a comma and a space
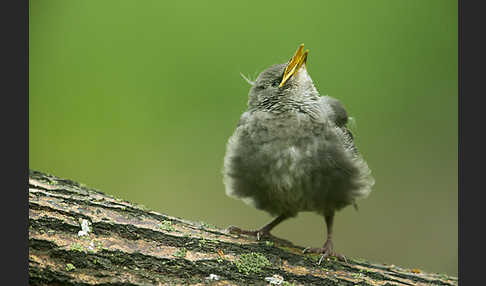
81, 236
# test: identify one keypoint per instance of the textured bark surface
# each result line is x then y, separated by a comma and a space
80, 236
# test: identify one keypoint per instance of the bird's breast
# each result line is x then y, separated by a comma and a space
292, 162
289, 128
279, 162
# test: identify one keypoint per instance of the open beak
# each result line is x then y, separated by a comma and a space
296, 62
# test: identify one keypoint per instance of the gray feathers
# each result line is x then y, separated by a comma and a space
291, 150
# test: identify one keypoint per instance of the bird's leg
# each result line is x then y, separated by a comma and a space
327, 249
264, 231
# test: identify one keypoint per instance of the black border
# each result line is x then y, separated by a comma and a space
14, 20
471, 65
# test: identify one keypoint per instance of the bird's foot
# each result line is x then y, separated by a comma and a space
327, 251
259, 234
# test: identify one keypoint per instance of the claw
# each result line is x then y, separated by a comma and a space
342, 258
326, 251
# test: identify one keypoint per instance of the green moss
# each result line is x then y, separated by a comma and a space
207, 225
143, 207
166, 225
251, 263
359, 260
443, 277
356, 275
70, 267
99, 245
269, 243
315, 257
215, 241
289, 249
51, 182
77, 247
181, 252
202, 242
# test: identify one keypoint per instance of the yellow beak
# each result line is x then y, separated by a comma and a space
296, 62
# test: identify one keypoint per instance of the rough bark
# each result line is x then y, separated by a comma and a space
126, 244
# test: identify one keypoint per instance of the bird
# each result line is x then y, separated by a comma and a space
292, 152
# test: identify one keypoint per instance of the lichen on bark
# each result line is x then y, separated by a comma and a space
81, 236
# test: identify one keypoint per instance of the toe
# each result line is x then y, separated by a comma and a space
341, 257
327, 252
259, 234
234, 229
312, 250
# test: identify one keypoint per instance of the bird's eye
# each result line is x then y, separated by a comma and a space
276, 82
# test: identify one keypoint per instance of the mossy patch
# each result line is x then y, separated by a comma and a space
181, 252
166, 225
77, 247
70, 267
205, 225
251, 263
202, 242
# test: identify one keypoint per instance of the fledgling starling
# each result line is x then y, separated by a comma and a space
292, 152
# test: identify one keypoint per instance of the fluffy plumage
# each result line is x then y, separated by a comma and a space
292, 151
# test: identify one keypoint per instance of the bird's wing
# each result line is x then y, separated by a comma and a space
340, 119
340, 116
348, 140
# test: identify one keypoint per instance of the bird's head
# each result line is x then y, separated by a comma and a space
284, 82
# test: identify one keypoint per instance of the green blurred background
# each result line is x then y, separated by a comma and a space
138, 99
